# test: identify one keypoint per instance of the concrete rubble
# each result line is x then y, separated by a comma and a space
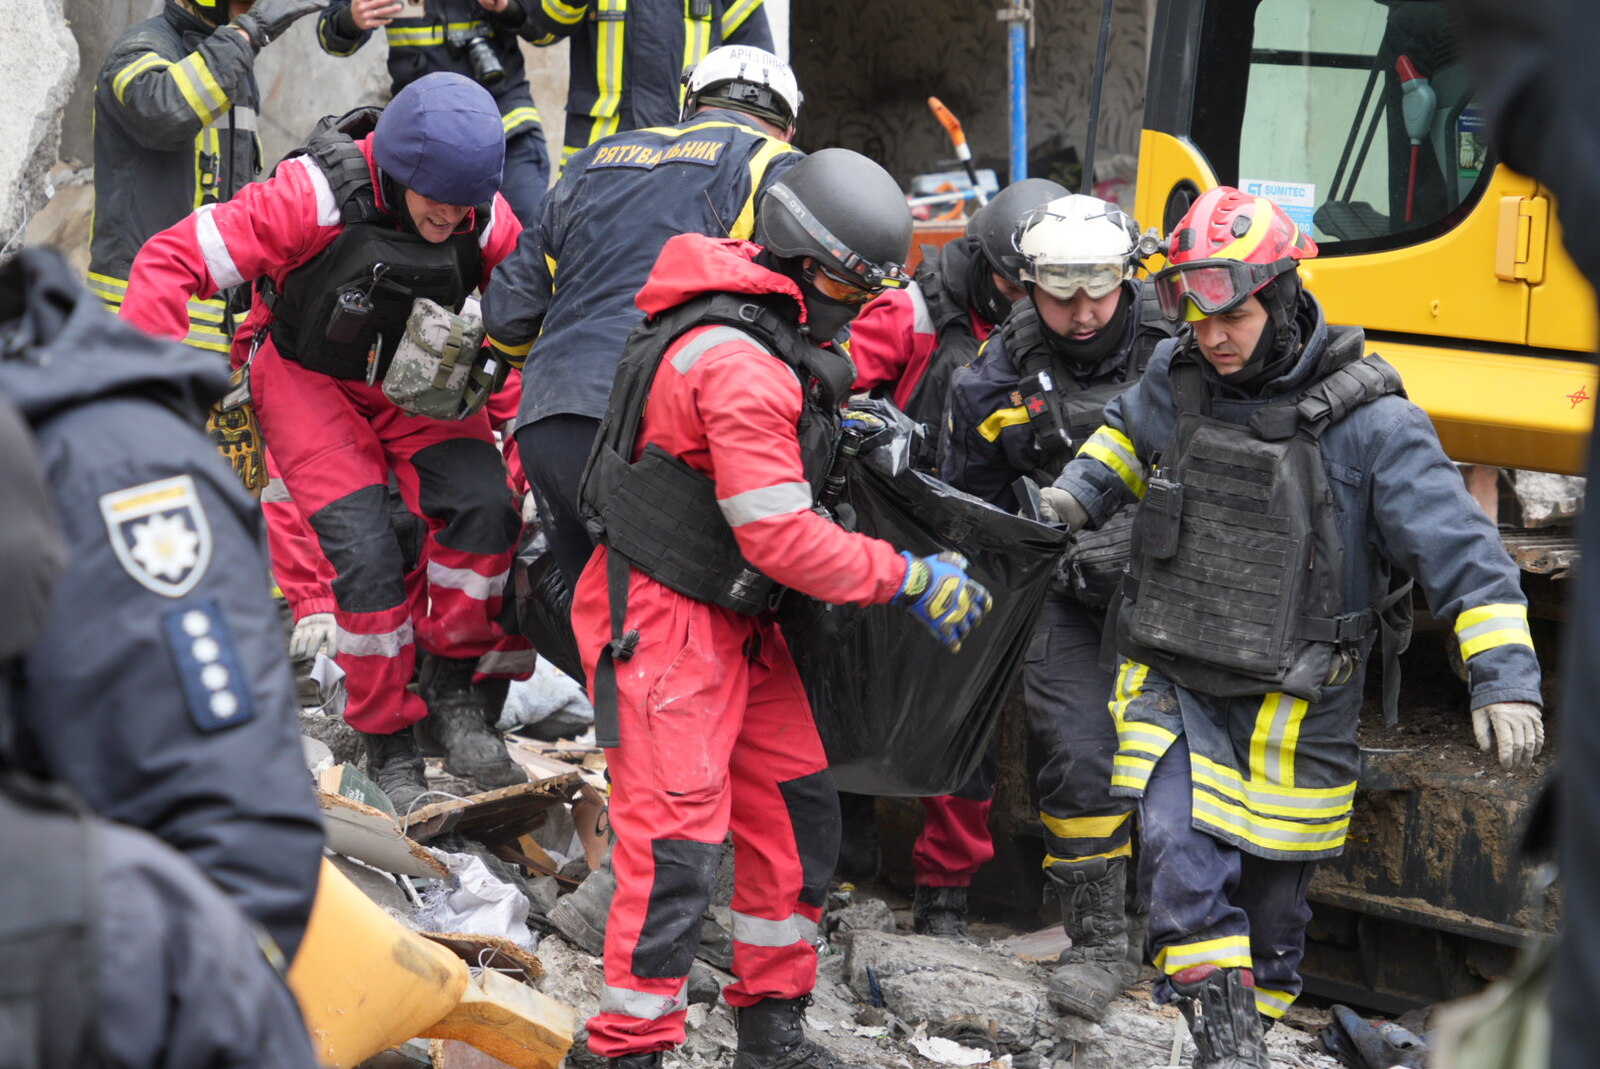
38, 62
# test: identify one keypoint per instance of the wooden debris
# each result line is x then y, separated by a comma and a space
362, 832
494, 817
490, 952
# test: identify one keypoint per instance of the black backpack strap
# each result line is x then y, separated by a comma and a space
1393, 613
1189, 394
348, 175
1358, 383
620, 648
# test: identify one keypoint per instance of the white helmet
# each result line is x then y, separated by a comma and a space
1078, 243
746, 79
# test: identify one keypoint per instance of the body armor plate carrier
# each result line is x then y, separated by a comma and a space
954, 346
1239, 567
344, 311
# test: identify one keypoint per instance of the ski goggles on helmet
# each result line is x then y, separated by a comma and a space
842, 289
1202, 288
1066, 281
857, 271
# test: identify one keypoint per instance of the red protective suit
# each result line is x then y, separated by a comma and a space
338, 441
716, 730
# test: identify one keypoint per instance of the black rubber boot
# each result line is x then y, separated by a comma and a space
1221, 1011
940, 912
637, 1061
394, 764
771, 1036
460, 713
1093, 913
581, 916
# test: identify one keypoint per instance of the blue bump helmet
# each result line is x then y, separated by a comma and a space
441, 137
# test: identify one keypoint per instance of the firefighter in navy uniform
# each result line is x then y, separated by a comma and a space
1035, 391
627, 57
350, 236
723, 423
571, 283
175, 113
906, 343
1295, 486
475, 38
159, 690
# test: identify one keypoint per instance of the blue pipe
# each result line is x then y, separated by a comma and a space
1017, 31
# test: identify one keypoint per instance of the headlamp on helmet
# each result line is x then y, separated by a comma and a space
746, 79
1078, 244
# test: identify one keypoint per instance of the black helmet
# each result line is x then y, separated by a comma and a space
993, 225
843, 210
213, 11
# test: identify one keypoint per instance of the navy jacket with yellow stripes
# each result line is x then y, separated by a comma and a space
174, 128
628, 56
572, 281
1276, 775
419, 44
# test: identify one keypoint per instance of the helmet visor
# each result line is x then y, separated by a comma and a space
1205, 288
1065, 281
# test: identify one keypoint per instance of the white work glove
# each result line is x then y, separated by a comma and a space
312, 635
1518, 729
1058, 506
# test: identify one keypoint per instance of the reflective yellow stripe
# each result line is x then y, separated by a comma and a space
1267, 832
147, 62
107, 285
1488, 626
1083, 827
1000, 419
1130, 771
1228, 952
1125, 850
414, 36
737, 13
1277, 733
193, 79
1267, 798
744, 226
608, 63
518, 117
1115, 450
1242, 247
1271, 1003
696, 41
211, 343
565, 14
604, 126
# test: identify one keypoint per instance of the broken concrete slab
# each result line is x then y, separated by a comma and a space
956, 988
1044, 946
1546, 499
38, 62
371, 835
861, 915
340, 737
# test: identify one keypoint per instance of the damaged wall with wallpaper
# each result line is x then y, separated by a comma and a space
867, 68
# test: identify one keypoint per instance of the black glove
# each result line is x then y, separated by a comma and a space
268, 19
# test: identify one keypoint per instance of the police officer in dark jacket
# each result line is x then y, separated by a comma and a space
477, 38
572, 281
628, 56
159, 690
174, 130
1034, 393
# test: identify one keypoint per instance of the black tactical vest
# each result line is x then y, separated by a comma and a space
48, 981
1238, 578
660, 514
344, 311
954, 346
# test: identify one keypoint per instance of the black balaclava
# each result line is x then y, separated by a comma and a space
1279, 345
983, 296
825, 317
1086, 354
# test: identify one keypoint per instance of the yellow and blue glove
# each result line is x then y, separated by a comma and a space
939, 594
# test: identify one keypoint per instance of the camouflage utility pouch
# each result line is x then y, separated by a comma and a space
440, 368
233, 427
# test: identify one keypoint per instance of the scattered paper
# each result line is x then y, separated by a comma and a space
949, 1052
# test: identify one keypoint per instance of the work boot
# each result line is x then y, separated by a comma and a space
1221, 1011
1093, 914
940, 912
581, 916
394, 764
637, 1061
771, 1037
461, 715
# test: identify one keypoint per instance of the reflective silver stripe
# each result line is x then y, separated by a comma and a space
385, 645
809, 931
508, 662
921, 318
488, 228
685, 358
762, 932
764, 503
275, 492
469, 582
219, 261
244, 118
327, 206
641, 1004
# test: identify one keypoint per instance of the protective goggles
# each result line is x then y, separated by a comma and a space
861, 273
1203, 288
1066, 281
841, 289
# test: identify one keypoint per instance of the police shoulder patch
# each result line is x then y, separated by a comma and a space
215, 686
159, 534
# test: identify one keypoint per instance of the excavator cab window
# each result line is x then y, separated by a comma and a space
1357, 116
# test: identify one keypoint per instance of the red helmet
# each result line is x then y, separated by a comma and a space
1225, 248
